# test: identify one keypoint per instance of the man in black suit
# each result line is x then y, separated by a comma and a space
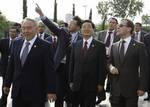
138, 34
62, 56
30, 69
74, 29
147, 44
108, 37
5, 45
41, 30
128, 69
87, 67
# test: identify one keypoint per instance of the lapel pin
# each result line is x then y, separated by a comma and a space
134, 44
35, 46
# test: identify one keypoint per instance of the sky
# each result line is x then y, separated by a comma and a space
12, 9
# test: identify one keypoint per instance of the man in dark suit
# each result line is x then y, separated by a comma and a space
108, 37
41, 30
74, 29
5, 45
87, 67
128, 69
147, 44
138, 34
30, 69
61, 57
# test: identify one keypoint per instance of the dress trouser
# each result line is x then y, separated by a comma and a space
62, 86
121, 101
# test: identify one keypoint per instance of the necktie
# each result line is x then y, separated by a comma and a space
108, 39
54, 42
136, 36
25, 53
122, 51
85, 48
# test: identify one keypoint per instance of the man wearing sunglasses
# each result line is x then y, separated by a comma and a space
126, 58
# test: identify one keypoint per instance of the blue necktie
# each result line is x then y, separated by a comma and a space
25, 53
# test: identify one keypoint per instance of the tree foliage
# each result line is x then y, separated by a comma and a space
146, 19
4, 24
126, 8
103, 10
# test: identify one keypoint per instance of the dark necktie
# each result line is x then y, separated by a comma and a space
25, 53
85, 48
122, 51
108, 39
54, 42
135, 37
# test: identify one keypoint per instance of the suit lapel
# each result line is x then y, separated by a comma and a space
19, 50
104, 36
32, 51
116, 52
116, 38
91, 47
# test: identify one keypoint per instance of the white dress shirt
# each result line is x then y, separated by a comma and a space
88, 41
126, 44
30, 45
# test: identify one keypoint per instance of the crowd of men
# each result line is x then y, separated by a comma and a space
73, 62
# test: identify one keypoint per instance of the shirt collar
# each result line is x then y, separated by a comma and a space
127, 40
88, 41
32, 40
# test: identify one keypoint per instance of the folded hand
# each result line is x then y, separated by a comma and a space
51, 97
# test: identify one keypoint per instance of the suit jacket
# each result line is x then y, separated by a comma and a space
87, 73
49, 39
130, 79
147, 44
141, 36
5, 51
45, 35
102, 35
64, 42
78, 36
36, 77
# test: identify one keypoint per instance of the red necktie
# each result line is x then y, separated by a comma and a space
85, 48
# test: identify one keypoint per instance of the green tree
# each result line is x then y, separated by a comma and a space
4, 24
126, 8
55, 11
103, 10
24, 8
145, 19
